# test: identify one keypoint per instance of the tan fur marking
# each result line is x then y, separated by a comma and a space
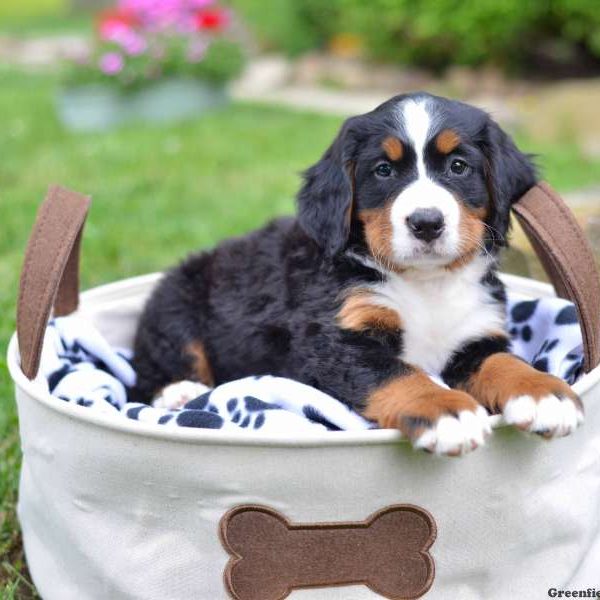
378, 233
412, 399
471, 232
503, 376
446, 141
200, 365
393, 148
360, 312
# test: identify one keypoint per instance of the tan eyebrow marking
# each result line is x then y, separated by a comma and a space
393, 148
447, 140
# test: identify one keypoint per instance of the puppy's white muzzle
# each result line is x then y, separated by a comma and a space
425, 222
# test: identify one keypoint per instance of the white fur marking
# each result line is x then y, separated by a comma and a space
423, 193
440, 313
549, 415
178, 394
417, 124
456, 436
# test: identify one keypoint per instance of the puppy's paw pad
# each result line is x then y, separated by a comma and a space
550, 416
456, 435
178, 394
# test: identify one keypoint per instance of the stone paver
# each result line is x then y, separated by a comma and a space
42, 52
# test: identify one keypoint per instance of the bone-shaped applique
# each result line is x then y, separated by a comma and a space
271, 556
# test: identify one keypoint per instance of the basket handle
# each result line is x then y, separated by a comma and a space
567, 258
50, 275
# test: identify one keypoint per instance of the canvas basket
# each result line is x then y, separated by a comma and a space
126, 510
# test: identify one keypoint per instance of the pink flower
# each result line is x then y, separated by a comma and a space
111, 63
112, 23
133, 44
158, 15
109, 30
197, 4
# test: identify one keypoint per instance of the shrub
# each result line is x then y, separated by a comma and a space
280, 24
430, 33
436, 33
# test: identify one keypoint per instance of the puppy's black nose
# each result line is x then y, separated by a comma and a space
426, 224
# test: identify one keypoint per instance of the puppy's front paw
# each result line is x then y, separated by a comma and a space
451, 433
434, 419
176, 395
528, 399
549, 415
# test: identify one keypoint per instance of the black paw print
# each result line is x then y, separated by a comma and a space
520, 313
540, 360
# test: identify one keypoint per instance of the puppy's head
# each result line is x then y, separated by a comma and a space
423, 182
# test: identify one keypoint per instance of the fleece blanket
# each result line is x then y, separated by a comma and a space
81, 367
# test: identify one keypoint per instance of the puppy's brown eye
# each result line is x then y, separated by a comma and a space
458, 166
383, 170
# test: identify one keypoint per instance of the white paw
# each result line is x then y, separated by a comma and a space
455, 436
549, 417
178, 394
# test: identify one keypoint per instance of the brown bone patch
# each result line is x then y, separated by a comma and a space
393, 148
270, 556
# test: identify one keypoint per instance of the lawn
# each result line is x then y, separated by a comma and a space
158, 193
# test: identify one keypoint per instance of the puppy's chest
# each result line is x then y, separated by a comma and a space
439, 316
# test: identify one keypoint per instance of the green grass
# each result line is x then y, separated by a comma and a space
29, 8
158, 193
48, 24
33, 18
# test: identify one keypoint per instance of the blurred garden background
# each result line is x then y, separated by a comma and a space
282, 75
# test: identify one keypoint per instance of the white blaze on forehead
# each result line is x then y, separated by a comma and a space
423, 192
417, 123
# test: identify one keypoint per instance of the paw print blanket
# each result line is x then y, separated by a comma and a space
81, 367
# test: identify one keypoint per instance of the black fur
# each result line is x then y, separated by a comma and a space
467, 361
509, 175
325, 199
266, 303
263, 304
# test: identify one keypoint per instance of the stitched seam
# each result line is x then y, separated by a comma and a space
28, 332
557, 259
586, 316
574, 229
42, 310
563, 267
54, 276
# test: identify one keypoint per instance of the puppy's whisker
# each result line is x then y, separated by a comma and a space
468, 240
496, 235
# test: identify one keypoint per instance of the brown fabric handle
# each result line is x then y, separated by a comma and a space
567, 258
50, 275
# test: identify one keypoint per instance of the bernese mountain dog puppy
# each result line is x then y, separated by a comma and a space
386, 275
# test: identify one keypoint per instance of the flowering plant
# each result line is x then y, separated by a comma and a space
139, 41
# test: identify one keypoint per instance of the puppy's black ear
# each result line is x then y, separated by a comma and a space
325, 199
509, 173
